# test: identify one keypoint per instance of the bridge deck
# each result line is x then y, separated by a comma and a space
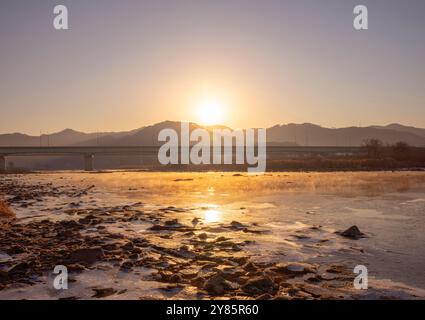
89, 152
105, 150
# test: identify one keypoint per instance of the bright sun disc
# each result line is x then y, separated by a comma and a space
210, 112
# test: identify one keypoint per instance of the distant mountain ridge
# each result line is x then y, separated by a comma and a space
401, 128
305, 134
308, 134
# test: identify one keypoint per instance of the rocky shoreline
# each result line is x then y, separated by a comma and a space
213, 261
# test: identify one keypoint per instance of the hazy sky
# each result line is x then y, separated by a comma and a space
129, 63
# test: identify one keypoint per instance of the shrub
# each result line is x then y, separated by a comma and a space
373, 147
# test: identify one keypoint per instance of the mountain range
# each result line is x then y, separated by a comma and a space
305, 134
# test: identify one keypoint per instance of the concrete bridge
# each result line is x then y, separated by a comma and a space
88, 153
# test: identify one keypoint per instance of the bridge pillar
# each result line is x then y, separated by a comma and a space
88, 162
2, 163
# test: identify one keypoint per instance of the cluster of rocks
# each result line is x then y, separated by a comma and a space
26, 194
216, 265
207, 258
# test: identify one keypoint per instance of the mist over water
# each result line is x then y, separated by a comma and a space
387, 206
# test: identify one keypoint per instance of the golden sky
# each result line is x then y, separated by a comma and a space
134, 63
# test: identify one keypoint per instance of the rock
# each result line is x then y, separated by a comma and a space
264, 296
240, 260
171, 222
259, 285
133, 256
217, 285
84, 221
184, 248
235, 247
3, 276
103, 292
328, 276
21, 268
126, 265
69, 224
74, 205
250, 267
317, 292
86, 256
176, 278
172, 225
172, 288
353, 233
128, 246
140, 242
294, 268
75, 267
227, 243
4, 257
203, 236
69, 298
110, 247
237, 225
301, 236
229, 272
337, 269
282, 296
198, 281
298, 294
220, 239
17, 249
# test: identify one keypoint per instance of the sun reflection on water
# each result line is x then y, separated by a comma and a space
212, 215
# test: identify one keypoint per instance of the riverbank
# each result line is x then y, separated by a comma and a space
150, 236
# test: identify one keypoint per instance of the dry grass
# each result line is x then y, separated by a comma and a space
5, 212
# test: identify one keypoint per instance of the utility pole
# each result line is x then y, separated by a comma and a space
306, 137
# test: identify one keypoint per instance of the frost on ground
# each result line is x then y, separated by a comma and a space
203, 236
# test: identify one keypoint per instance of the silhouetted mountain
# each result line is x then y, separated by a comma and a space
306, 134
67, 137
18, 140
401, 128
312, 135
148, 136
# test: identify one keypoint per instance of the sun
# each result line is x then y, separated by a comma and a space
210, 111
